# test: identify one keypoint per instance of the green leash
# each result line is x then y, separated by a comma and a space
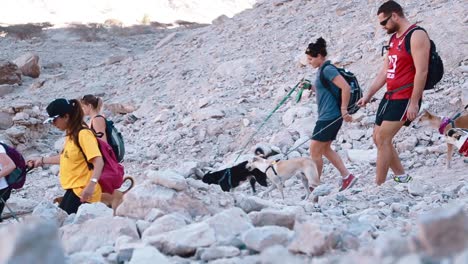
306, 85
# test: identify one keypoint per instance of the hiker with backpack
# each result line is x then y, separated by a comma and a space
92, 107
101, 126
405, 73
331, 110
80, 149
7, 166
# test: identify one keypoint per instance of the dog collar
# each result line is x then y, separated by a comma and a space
272, 168
444, 124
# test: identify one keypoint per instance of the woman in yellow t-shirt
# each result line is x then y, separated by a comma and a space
79, 180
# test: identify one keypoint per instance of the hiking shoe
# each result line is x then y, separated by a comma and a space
348, 182
405, 178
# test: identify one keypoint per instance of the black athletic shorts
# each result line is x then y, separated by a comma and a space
70, 202
326, 130
393, 110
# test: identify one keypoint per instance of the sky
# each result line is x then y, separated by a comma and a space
129, 12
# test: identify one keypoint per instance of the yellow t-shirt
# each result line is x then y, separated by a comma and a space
74, 172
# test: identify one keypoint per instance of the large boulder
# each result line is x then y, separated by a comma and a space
29, 65
9, 73
260, 238
184, 241
193, 201
443, 232
96, 233
33, 240
229, 224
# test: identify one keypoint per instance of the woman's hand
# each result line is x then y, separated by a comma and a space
35, 162
87, 192
346, 116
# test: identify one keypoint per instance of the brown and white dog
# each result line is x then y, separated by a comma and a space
111, 200
459, 138
279, 172
444, 124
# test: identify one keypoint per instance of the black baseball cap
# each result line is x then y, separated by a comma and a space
58, 107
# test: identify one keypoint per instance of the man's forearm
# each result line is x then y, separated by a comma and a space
418, 86
378, 83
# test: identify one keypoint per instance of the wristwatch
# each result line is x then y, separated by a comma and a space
94, 180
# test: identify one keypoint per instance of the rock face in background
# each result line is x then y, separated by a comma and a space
9, 73
187, 100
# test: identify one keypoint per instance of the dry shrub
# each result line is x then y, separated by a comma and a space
88, 32
25, 31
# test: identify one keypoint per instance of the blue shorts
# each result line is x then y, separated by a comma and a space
326, 130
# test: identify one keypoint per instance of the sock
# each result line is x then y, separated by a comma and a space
346, 177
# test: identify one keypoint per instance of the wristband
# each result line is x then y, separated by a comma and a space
94, 180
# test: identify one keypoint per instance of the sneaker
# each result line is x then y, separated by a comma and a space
405, 178
348, 182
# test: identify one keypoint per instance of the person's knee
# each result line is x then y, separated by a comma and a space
374, 138
382, 139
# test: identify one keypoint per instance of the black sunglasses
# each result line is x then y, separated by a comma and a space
384, 22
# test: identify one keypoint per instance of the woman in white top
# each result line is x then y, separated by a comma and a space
6, 167
91, 106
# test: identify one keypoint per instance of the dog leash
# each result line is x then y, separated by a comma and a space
268, 117
228, 171
448, 120
334, 121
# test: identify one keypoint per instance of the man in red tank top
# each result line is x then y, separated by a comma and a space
405, 76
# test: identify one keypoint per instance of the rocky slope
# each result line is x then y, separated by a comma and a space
192, 97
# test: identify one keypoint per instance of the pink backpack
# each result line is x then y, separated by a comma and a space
113, 172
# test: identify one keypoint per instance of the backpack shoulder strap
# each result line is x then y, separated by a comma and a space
322, 79
100, 134
408, 37
90, 165
325, 82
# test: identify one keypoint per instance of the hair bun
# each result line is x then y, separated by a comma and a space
321, 42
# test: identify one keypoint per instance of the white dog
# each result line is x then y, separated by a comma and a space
279, 172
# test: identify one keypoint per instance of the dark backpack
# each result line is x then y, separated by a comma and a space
112, 175
436, 66
17, 177
356, 91
114, 138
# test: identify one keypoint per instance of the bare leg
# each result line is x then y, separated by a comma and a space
386, 153
393, 165
336, 160
316, 151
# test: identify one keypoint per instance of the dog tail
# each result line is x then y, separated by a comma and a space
132, 183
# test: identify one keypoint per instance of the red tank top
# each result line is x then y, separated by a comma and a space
401, 70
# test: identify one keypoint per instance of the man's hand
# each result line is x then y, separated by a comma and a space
413, 111
87, 192
363, 101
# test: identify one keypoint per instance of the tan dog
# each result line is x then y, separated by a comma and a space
443, 125
111, 200
279, 172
